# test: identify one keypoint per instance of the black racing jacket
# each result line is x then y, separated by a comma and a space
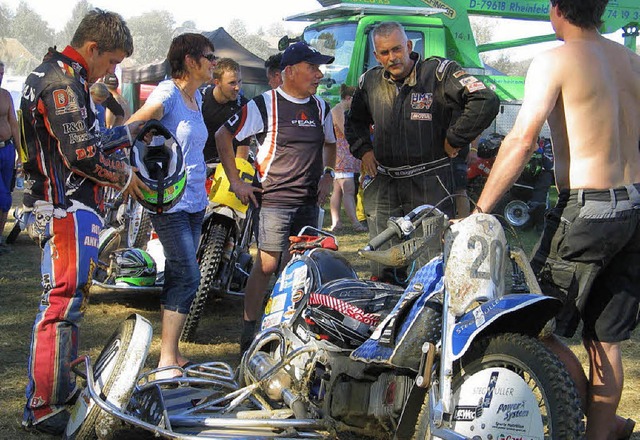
67, 164
437, 101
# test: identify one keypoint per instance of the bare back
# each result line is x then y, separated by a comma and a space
595, 122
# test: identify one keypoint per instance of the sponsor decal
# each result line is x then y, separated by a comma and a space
79, 138
474, 87
466, 413
83, 153
468, 80
73, 127
272, 320
443, 66
421, 116
459, 73
513, 410
297, 295
449, 13
303, 120
514, 437
65, 101
488, 396
421, 101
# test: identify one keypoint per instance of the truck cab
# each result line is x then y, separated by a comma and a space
436, 27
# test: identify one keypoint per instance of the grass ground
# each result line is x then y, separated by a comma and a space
217, 336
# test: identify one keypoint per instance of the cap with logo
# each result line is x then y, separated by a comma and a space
301, 52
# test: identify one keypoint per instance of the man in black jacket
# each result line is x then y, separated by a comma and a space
423, 113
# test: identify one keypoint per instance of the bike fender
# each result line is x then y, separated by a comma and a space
524, 313
223, 215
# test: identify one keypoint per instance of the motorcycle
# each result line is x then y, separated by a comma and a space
455, 355
524, 204
223, 252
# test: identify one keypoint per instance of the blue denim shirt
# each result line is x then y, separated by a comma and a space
188, 127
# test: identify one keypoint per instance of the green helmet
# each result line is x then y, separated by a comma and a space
133, 267
160, 165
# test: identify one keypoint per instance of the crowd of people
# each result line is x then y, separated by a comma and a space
401, 137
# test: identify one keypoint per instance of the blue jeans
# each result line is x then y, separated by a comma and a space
7, 163
179, 234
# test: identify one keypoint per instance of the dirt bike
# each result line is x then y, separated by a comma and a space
524, 204
455, 355
223, 253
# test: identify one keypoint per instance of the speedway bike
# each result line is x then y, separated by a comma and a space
455, 355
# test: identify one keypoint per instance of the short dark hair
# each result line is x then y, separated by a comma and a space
107, 29
225, 65
190, 44
346, 90
585, 14
272, 63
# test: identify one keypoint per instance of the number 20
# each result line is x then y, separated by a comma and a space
495, 252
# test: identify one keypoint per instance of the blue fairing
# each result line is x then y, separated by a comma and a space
389, 335
479, 319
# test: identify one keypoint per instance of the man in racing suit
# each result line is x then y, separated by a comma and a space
423, 112
66, 169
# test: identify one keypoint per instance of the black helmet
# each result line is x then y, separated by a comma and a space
488, 147
160, 166
345, 311
133, 267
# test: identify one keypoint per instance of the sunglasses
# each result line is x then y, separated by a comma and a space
210, 57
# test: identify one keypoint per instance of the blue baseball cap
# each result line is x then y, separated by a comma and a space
301, 52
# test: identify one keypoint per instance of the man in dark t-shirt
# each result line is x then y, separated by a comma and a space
294, 164
220, 102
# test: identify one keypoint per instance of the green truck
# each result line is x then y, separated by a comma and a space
436, 27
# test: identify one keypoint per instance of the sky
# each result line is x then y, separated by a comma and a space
215, 13
254, 13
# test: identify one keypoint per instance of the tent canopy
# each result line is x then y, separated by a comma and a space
253, 71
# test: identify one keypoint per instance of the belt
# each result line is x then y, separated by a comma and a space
598, 195
7, 142
415, 170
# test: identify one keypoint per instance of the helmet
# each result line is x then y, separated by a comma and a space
160, 165
345, 311
133, 267
488, 147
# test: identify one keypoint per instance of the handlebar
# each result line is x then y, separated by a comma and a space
401, 227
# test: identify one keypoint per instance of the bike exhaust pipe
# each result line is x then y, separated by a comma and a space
278, 386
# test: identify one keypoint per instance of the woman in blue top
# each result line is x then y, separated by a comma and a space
177, 104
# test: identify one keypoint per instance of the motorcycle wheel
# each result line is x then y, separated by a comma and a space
516, 213
212, 246
115, 372
139, 234
510, 386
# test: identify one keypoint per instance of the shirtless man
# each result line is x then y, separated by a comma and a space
589, 252
9, 139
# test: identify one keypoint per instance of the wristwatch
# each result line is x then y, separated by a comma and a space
330, 171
